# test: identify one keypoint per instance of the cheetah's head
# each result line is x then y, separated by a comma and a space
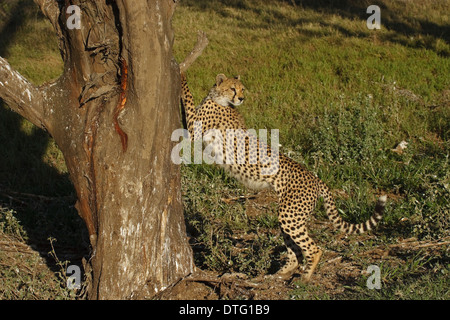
227, 91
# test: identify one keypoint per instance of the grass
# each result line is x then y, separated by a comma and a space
342, 97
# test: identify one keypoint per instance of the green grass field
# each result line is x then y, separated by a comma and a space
342, 96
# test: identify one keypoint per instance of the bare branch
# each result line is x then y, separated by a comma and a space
202, 42
21, 96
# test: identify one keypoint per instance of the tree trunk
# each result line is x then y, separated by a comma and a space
112, 113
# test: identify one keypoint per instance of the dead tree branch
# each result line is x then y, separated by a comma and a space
202, 42
21, 96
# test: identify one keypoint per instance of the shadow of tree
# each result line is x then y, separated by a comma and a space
395, 17
42, 197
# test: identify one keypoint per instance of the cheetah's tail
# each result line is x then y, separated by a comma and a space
347, 227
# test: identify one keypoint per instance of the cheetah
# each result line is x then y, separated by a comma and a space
297, 189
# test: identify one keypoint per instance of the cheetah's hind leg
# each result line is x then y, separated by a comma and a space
297, 239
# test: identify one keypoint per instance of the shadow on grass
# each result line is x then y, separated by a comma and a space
42, 197
417, 32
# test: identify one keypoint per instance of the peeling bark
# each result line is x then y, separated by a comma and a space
129, 198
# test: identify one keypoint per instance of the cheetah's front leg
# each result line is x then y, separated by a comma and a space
293, 258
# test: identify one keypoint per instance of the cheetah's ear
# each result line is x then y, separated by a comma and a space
238, 77
220, 78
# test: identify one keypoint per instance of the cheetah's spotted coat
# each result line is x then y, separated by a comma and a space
296, 187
